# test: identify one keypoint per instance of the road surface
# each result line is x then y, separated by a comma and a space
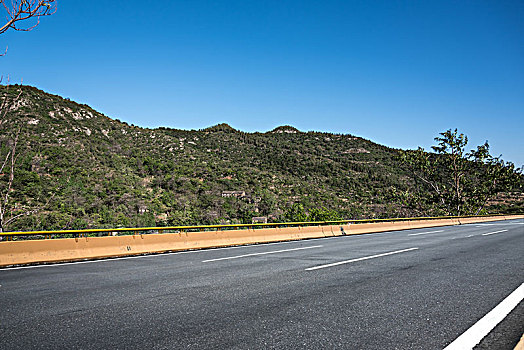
413, 289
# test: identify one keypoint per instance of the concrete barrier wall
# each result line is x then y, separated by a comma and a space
71, 249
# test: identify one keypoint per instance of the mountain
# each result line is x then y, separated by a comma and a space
78, 168
285, 128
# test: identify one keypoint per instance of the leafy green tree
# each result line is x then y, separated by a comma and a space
268, 202
323, 214
493, 176
458, 182
296, 213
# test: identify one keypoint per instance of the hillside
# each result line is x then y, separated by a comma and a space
79, 168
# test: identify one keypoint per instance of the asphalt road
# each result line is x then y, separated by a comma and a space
416, 289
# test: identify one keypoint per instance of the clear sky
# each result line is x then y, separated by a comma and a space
395, 72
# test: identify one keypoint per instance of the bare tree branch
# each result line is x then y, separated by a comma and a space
20, 15
4, 202
21, 10
5, 162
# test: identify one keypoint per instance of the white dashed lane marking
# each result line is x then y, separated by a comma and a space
359, 259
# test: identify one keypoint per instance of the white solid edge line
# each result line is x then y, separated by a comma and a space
479, 330
492, 233
262, 253
424, 233
359, 259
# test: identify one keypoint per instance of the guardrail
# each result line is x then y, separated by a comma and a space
200, 228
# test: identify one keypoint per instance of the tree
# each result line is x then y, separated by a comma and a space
493, 176
9, 156
323, 214
455, 182
296, 213
21, 15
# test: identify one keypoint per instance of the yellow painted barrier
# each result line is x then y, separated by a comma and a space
520, 344
140, 230
72, 249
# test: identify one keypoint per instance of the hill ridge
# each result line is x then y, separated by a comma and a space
102, 172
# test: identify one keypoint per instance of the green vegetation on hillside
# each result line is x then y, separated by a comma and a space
80, 169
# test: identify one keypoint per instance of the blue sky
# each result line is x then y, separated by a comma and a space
395, 72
